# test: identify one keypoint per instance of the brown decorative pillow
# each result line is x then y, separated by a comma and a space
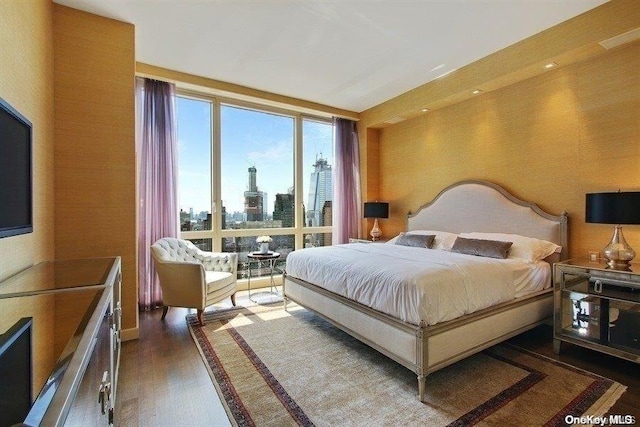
478, 247
415, 240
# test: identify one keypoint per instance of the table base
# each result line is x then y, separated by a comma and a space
265, 297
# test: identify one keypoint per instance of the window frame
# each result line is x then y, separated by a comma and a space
299, 230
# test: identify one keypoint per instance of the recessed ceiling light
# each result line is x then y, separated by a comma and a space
424, 110
477, 92
550, 65
394, 120
620, 39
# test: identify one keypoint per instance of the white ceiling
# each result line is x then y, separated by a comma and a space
346, 54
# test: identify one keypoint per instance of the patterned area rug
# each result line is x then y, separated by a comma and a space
277, 368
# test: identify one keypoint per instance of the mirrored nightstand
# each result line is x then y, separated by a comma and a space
597, 307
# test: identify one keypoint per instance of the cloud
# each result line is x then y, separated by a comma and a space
280, 151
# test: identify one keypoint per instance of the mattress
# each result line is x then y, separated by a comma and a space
417, 284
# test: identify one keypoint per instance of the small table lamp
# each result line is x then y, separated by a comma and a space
615, 208
376, 210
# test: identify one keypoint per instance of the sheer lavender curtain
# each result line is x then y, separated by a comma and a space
346, 187
158, 187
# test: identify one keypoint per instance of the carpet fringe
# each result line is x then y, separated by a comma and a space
607, 400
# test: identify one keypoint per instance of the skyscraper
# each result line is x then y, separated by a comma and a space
320, 191
185, 221
283, 209
253, 199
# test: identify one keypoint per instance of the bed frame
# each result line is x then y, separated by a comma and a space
463, 207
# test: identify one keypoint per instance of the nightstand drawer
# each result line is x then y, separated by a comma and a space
615, 288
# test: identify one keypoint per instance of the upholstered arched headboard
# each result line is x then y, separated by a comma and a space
480, 206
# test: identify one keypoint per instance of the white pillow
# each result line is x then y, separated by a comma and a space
443, 240
527, 248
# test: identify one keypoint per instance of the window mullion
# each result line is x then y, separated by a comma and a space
298, 185
216, 167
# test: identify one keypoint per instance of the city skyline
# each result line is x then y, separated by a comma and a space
249, 138
320, 192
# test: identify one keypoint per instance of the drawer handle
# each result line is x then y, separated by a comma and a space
104, 394
597, 286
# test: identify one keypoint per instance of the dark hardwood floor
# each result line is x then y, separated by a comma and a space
163, 380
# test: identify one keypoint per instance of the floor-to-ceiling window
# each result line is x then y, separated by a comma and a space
247, 171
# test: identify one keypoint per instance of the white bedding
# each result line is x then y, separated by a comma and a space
415, 284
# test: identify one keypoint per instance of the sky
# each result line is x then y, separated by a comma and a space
248, 138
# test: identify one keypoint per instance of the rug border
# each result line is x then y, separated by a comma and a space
599, 408
189, 318
608, 399
605, 402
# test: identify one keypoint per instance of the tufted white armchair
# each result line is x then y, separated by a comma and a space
192, 278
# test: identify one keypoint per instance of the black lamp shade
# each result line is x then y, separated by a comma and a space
376, 210
613, 208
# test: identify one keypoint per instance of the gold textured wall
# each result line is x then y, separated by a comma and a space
95, 208
26, 82
547, 135
548, 139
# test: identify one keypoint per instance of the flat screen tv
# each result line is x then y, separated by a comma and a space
15, 372
16, 208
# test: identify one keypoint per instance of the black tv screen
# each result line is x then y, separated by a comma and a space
15, 372
16, 215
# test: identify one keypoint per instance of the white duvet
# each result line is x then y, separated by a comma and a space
415, 284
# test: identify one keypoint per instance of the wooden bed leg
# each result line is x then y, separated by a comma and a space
556, 346
421, 387
164, 311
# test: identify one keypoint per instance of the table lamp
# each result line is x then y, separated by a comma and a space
615, 208
376, 210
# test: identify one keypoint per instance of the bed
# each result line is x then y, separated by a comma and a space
411, 336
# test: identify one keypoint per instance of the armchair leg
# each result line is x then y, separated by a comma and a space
233, 299
164, 311
200, 319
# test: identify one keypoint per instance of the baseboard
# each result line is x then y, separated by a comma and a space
130, 334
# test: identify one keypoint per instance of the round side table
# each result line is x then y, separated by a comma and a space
272, 295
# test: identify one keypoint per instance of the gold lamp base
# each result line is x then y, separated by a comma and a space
375, 231
618, 252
